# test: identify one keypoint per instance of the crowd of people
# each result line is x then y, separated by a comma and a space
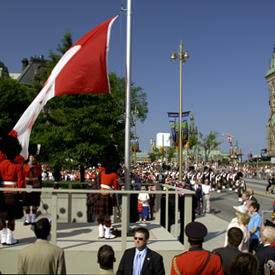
42, 257
249, 245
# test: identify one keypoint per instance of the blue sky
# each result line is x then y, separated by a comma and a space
230, 44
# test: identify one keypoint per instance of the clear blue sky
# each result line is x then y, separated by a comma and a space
230, 45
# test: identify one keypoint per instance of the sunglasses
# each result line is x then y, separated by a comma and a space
140, 239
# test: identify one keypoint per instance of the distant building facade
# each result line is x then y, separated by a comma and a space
270, 127
31, 70
163, 140
3, 70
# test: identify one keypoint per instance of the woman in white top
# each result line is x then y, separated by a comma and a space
144, 199
241, 220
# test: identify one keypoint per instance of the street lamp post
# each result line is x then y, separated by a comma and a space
135, 140
182, 56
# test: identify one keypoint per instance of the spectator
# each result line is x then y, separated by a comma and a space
196, 260
141, 260
234, 238
198, 197
244, 264
245, 198
241, 220
144, 199
206, 190
254, 226
152, 201
265, 252
106, 259
41, 257
250, 192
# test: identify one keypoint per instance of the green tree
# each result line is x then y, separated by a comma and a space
14, 99
171, 152
209, 143
193, 144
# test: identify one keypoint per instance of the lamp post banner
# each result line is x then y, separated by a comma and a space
135, 144
174, 126
173, 114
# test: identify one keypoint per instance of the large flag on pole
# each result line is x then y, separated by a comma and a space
81, 70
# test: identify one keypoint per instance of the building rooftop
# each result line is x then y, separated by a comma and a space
271, 69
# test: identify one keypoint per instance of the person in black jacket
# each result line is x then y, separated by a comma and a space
141, 260
266, 252
227, 254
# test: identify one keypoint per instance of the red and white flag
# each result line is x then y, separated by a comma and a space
81, 70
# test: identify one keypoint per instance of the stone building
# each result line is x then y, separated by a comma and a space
270, 127
31, 70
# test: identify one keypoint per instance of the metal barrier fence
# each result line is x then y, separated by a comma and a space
125, 205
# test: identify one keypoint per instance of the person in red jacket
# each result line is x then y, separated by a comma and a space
31, 200
11, 177
196, 260
107, 179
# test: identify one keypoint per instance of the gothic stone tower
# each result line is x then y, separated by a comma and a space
270, 127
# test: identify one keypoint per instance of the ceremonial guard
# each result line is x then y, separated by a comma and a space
102, 204
33, 179
196, 260
11, 177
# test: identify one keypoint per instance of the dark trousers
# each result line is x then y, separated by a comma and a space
253, 245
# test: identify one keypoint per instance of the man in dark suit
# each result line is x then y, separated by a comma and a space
265, 251
234, 237
141, 260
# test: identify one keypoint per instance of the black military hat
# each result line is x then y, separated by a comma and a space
195, 230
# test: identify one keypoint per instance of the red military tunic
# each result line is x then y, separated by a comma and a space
109, 181
32, 174
193, 260
12, 174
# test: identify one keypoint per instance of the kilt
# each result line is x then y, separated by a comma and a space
103, 206
31, 199
8, 206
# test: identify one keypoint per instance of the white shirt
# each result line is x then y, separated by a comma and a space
205, 189
142, 197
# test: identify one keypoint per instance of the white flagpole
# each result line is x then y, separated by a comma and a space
125, 201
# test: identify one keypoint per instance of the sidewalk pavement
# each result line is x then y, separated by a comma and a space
216, 228
216, 231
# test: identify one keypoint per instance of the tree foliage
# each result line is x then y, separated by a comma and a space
14, 99
209, 143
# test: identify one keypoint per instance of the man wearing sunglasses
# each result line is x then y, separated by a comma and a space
141, 260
